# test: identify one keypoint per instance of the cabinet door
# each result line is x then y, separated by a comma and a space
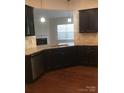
93, 20
59, 58
82, 55
47, 59
88, 20
92, 55
29, 21
26, 22
28, 69
53, 58
70, 56
88, 55
83, 21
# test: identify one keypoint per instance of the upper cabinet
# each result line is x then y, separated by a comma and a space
29, 21
88, 20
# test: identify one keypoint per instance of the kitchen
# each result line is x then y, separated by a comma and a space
54, 56
73, 75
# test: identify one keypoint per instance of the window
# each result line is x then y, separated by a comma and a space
65, 32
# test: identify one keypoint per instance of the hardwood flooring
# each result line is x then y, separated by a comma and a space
77, 79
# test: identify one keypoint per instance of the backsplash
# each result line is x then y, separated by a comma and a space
30, 42
86, 39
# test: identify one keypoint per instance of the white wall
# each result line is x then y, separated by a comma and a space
41, 29
49, 28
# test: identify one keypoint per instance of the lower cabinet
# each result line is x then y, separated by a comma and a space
81, 55
49, 59
28, 69
59, 57
88, 55
92, 56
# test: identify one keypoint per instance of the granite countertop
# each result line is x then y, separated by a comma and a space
42, 47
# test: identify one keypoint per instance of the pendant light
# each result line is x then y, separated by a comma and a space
69, 20
42, 19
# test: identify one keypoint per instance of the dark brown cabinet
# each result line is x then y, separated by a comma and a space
29, 21
59, 57
88, 20
50, 59
88, 55
93, 20
83, 21
92, 56
82, 55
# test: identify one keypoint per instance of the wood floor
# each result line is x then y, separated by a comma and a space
68, 80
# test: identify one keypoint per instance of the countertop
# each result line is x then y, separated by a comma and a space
43, 47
